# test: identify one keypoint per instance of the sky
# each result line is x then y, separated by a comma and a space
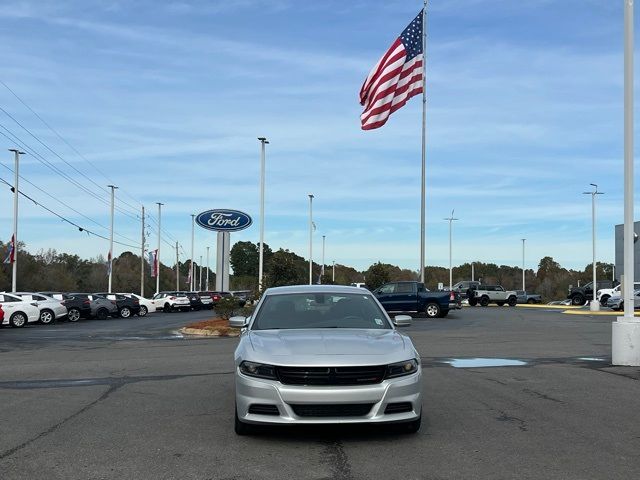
166, 100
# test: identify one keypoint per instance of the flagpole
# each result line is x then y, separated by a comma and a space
14, 267
142, 258
424, 139
112, 187
158, 249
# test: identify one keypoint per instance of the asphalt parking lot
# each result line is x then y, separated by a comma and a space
131, 398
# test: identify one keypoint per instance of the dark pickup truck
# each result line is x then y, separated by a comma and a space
579, 295
414, 297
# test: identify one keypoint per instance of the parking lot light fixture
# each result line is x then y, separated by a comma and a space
594, 305
310, 239
263, 142
450, 220
523, 271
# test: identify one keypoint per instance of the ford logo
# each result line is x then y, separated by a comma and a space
224, 220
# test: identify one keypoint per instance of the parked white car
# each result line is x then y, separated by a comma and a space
18, 312
170, 301
604, 294
146, 305
50, 308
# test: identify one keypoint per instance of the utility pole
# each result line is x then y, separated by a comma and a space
193, 228
595, 305
142, 258
200, 279
113, 188
523, 282
158, 252
333, 275
450, 220
263, 141
473, 273
177, 269
16, 168
207, 283
310, 239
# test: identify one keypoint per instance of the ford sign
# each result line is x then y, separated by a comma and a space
223, 220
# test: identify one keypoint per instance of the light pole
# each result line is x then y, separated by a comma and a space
625, 334
594, 306
200, 278
263, 142
158, 252
523, 283
310, 239
450, 220
193, 228
333, 275
14, 267
177, 269
113, 188
324, 237
473, 272
207, 282
142, 257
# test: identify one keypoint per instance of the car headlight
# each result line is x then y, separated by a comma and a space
258, 370
402, 368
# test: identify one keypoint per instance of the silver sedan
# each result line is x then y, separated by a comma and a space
321, 354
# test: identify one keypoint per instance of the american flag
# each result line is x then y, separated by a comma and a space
395, 79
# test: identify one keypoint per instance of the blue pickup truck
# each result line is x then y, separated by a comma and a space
414, 297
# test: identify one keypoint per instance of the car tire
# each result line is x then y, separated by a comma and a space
102, 314
484, 301
414, 425
47, 317
603, 300
432, 310
143, 311
73, 315
500, 304
531, 301
241, 428
18, 320
578, 299
125, 312
473, 302
512, 301
167, 308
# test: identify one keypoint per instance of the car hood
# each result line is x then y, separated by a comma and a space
326, 347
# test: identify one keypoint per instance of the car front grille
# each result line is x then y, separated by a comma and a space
263, 409
330, 410
328, 376
400, 407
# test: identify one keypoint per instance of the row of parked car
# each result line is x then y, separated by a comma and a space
20, 308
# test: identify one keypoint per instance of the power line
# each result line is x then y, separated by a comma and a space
66, 205
80, 228
71, 147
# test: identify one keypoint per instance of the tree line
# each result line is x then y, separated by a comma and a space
52, 270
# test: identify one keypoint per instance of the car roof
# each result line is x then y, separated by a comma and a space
315, 289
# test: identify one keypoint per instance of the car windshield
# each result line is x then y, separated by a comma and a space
319, 310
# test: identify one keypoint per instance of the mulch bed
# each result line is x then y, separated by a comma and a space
214, 327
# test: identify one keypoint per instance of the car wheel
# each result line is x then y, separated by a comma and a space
73, 315
18, 320
102, 314
125, 312
577, 299
143, 311
531, 300
167, 308
500, 304
241, 428
432, 310
473, 302
47, 317
484, 301
603, 300
413, 426
512, 301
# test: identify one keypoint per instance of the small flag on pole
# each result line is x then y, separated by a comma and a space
109, 263
396, 77
153, 262
10, 258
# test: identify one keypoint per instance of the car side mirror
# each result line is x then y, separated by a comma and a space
402, 320
238, 322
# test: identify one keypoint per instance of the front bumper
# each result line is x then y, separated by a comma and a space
251, 391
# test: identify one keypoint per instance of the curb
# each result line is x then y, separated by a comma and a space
611, 313
207, 333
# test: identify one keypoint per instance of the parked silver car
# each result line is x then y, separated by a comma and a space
615, 302
319, 354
